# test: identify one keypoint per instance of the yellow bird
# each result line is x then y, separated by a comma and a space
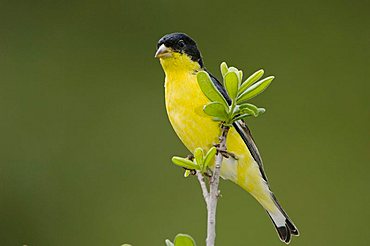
181, 60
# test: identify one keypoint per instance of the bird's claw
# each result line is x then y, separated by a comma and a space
217, 145
225, 153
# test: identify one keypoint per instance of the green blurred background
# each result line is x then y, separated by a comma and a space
86, 144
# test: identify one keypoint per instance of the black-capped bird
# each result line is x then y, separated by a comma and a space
181, 60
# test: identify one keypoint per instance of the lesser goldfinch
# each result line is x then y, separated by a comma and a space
181, 60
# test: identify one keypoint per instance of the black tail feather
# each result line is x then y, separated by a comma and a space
291, 227
286, 231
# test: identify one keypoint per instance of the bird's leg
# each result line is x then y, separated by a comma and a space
225, 153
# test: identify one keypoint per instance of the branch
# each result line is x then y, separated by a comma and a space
203, 186
214, 192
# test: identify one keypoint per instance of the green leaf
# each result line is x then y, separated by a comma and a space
168, 243
198, 154
215, 109
251, 79
256, 111
187, 173
261, 111
233, 69
255, 89
240, 117
245, 111
224, 69
248, 106
208, 158
209, 89
232, 84
249, 112
184, 240
240, 74
183, 162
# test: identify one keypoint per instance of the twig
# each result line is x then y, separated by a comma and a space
214, 192
203, 186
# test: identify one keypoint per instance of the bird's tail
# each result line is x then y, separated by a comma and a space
284, 226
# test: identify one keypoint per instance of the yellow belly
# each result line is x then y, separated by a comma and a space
184, 104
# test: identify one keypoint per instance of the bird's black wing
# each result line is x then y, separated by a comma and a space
242, 128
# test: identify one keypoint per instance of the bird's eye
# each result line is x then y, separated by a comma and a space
181, 43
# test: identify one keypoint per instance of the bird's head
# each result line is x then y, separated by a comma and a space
178, 51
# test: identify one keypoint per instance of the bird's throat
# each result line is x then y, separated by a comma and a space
179, 64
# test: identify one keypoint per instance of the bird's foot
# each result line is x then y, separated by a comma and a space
225, 153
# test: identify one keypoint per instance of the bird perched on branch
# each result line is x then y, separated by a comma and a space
181, 60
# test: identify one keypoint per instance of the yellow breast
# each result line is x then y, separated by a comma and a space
184, 104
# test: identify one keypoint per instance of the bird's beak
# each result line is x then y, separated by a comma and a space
163, 51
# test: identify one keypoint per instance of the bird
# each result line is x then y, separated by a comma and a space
181, 60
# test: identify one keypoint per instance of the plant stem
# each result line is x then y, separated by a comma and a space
213, 189
203, 186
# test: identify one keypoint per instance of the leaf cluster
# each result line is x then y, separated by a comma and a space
200, 162
239, 92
